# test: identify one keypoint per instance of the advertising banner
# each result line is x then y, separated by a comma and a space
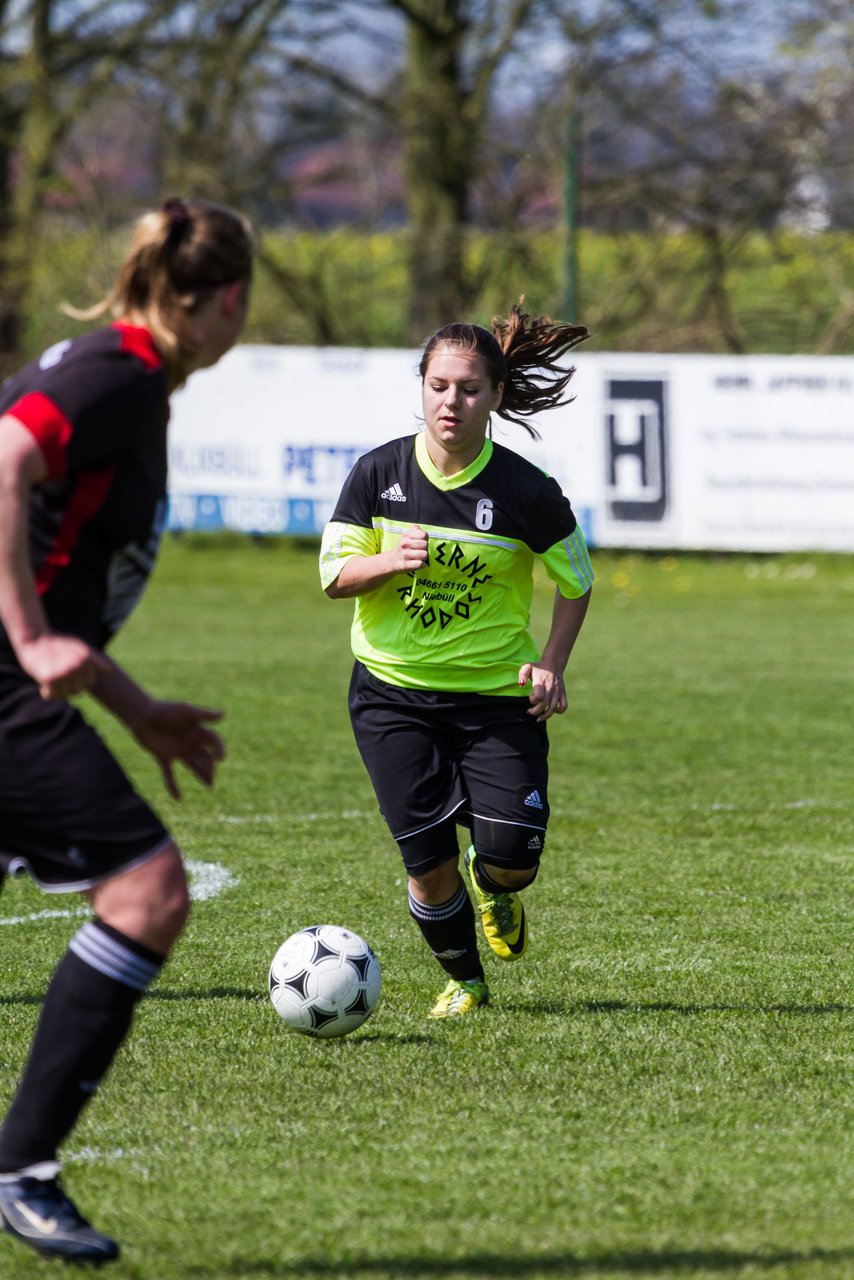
750, 453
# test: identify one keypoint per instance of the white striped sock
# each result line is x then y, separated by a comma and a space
101, 951
423, 911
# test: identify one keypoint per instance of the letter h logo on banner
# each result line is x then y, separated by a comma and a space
636, 445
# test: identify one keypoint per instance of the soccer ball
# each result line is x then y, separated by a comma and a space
324, 981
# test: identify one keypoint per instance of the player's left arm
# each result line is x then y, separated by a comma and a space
546, 675
567, 563
171, 731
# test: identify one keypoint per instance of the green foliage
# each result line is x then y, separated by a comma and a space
354, 285
786, 293
661, 1088
73, 266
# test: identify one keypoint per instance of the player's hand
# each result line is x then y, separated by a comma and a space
411, 553
61, 666
548, 691
177, 731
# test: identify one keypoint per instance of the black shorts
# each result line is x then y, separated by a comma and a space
68, 813
441, 759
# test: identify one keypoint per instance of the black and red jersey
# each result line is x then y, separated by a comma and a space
98, 406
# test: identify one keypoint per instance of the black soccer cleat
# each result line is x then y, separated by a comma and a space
41, 1214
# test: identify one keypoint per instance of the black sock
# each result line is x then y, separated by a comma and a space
87, 1011
449, 931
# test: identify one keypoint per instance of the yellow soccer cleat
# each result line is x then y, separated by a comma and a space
502, 916
459, 998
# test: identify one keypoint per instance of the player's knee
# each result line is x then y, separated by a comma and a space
437, 884
509, 854
150, 903
169, 898
160, 916
172, 910
514, 878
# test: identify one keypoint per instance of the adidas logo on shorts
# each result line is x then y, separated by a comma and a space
533, 801
394, 493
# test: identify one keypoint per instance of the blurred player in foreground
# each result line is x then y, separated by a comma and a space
436, 536
82, 503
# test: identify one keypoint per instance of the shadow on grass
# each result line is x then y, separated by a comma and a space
260, 997
380, 1037
209, 993
489, 1266
565, 1007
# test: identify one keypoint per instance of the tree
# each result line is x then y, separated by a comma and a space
697, 122
57, 59
257, 87
687, 117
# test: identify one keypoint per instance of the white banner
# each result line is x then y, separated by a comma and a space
751, 453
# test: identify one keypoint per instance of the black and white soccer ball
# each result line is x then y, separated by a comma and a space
325, 981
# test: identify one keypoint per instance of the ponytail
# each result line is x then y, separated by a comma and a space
178, 255
521, 352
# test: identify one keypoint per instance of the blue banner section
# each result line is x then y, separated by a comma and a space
300, 517
210, 512
320, 464
195, 511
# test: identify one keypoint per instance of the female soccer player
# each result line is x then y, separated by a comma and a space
436, 536
82, 504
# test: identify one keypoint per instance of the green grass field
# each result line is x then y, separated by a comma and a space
662, 1088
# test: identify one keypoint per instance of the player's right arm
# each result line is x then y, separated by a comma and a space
61, 665
170, 731
360, 574
353, 559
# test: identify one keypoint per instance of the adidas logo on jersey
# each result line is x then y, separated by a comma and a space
533, 800
394, 494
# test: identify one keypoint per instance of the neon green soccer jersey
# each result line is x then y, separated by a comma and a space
461, 622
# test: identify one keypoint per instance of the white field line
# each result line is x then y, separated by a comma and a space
46, 915
150, 1152
207, 880
258, 819
730, 807
139, 1158
88, 1155
247, 819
